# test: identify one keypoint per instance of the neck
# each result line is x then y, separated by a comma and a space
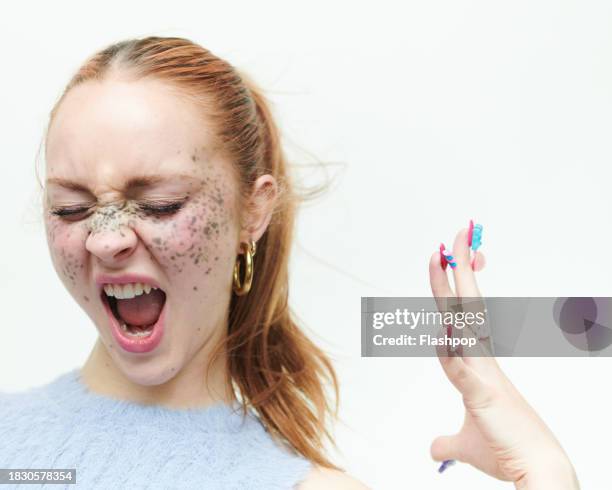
185, 389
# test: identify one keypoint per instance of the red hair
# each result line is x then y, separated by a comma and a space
275, 368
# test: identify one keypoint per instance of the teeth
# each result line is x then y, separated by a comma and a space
137, 334
118, 291
127, 291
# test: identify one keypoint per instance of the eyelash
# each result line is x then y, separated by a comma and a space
163, 210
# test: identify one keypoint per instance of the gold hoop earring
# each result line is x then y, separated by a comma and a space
249, 251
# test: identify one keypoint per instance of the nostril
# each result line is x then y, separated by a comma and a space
122, 253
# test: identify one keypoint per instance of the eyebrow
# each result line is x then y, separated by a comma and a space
140, 182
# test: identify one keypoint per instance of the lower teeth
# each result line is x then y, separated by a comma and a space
137, 334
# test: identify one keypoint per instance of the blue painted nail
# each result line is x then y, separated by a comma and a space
449, 258
476, 237
445, 464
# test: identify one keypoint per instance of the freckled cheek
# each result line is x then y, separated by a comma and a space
186, 235
67, 247
194, 244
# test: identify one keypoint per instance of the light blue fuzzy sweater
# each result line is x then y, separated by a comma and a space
118, 444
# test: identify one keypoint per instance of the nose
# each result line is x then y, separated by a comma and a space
112, 246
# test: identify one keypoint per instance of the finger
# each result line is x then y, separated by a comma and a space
446, 447
489, 369
465, 279
478, 261
480, 357
440, 287
438, 279
467, 380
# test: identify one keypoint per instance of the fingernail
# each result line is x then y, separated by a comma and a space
470, 233
449, 258
443, 261
476, 241
445, 464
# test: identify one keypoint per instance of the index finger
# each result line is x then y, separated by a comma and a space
463, 274
438, 280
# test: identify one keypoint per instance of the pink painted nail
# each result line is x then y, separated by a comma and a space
470, 233
443, 261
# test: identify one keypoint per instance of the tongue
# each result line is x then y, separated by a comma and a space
143, 309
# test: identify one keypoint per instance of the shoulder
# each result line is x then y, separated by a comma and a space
321, 478
22, 414
21, 405
38, 403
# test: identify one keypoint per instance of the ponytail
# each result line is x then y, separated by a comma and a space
275, 366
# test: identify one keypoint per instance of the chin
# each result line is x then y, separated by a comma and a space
149, 370
151, 374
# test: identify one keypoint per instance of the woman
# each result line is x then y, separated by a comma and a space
169, 217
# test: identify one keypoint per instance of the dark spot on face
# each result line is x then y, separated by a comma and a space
85, 298
157, 241
195, 288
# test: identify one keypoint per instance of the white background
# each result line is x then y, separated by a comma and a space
433, 113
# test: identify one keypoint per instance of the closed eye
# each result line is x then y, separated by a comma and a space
162, 209
69, 212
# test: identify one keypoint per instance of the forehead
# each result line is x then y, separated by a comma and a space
107, 132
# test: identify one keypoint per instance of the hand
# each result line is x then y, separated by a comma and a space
502, 434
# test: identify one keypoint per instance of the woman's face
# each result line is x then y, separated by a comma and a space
146, 198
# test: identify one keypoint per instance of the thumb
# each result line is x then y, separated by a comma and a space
446, 447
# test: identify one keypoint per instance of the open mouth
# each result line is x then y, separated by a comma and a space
136, 307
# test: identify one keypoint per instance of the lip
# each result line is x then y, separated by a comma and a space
133, 344
102, 279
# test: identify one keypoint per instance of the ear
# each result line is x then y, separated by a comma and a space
256, 216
